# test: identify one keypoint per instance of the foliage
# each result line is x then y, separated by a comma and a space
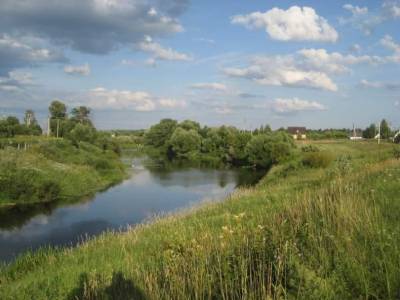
159, 134
321, 134
396, 152
184, 141
82, 133
385, 129
370, 132
265, 150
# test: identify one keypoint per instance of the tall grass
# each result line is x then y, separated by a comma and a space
308, 233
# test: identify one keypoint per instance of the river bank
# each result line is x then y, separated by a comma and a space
55, 170
311, 233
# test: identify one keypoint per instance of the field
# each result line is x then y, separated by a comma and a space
330, 231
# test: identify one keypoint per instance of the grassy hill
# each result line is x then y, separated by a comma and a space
330, 231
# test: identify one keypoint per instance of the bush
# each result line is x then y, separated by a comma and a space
396, 152
48, 191
309, 148
317, 159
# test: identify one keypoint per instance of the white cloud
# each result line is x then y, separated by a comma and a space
392, 8
282, 105
388, 42
210, 86
356, 10
83, 70
161, 53
367, 21
121, 99
172, 103
282, 71
380, 85
334, 62
307, 68
294, 24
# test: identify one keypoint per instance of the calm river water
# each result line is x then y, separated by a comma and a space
150, 190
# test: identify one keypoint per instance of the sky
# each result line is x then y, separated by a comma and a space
319, 64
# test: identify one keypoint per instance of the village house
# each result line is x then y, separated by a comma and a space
298, 133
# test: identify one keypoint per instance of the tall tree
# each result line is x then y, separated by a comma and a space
57, 110
385, 129
30, 119
81, 114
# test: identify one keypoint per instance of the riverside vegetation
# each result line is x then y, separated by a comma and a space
322, 225
76, 161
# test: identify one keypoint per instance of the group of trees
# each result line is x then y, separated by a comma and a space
372, 130
189, 140
11, 126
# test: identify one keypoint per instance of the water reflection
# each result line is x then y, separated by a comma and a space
152, 189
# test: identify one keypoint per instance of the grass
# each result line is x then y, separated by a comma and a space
52, 169
301, 233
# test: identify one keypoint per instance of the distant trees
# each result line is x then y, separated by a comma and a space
227, 144
11, 126
370, 132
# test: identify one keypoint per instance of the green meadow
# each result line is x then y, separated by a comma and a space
320, 226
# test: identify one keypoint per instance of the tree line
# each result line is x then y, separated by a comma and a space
189, 140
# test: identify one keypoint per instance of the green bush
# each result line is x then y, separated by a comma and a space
319, 159
396, 152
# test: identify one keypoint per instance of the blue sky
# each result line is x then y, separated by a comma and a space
285, 63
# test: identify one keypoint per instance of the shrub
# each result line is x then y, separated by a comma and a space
309, 148
396, 152
317, 159
48, 191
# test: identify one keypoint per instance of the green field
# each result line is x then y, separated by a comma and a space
50, 169
330, 232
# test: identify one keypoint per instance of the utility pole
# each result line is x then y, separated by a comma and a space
58, 126
379, 133
48, 126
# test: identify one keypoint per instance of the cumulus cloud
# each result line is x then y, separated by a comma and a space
103, 98
159, 52
16, 52
121, 99
380, 85
335, 62
83, 70
366, 21
307, 68
293, 24
92, 26
223, 110
294, 105
282, 71
210, 86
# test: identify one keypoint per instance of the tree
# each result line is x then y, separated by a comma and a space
184, 142
385, 129
158, 135
81, 115
189, 124
82, 133
264, 150
370, 132
57, 110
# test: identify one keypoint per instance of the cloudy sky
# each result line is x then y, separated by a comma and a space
313, 63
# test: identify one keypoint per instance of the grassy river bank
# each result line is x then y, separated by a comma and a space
328, 232
55, 170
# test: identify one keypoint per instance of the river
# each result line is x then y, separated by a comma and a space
150, 190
